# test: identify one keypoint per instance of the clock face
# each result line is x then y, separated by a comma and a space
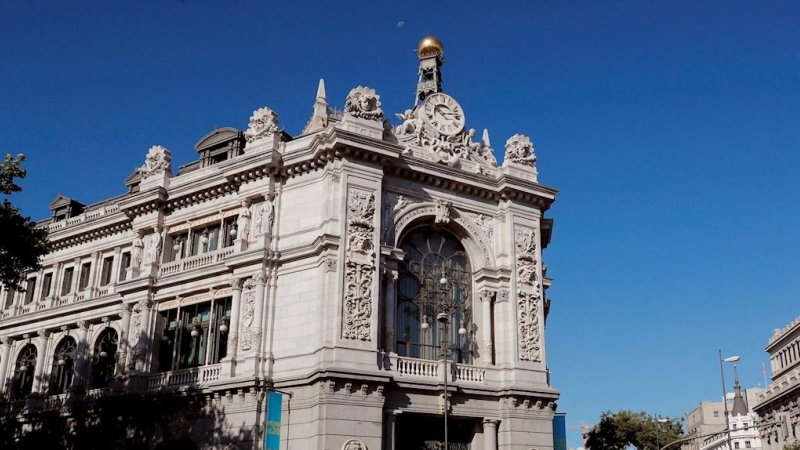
443, 113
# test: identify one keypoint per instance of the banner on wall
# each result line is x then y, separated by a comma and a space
272, 440
560, 431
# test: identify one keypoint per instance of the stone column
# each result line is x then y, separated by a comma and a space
5, 353
391, 431
76, 276
125, 326
228, 368
390, 294
489, 434
116, 265
78, 370
91, 288
488, 346
41, 352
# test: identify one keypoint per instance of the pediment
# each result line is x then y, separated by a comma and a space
218, 136
61, 201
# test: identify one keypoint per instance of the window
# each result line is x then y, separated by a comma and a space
733, 426
716, 413
9, 297
747, 444
23, 372
47, 283
436, 269
735, 445
29, 289
66, 284
105, 275
63, 365
124, 265
86, 269
104, 358
194, 335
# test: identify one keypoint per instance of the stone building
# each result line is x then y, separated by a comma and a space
779, 405
336, 267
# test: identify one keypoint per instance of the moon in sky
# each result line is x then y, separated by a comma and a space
400, 24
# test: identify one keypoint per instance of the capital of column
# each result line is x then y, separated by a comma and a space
82, 325
259, 277
490, 423
6, 340
391, 275
487, 295
126, 308
44, 334
236, 283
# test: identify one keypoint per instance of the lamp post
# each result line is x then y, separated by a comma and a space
734, 360
658, 428
439, 296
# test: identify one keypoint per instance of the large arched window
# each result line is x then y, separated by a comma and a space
434, 296
63, 366
104, 358
24, 372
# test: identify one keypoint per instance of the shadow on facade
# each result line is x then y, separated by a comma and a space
128, 413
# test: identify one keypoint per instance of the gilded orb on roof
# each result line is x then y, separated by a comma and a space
430, 45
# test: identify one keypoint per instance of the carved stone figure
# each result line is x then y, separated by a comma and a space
442, 211
525, 242
248, 316
410, 123
137, 250
154, 246
468, 145
263, 123
354, 444
519, 150
267, 217
157, 161
364, 103
243, 222
362, 211
528, 320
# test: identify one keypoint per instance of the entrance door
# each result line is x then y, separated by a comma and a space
425, 432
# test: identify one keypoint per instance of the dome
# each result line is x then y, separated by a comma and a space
430, 45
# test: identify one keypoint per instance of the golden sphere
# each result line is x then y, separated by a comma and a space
430, 45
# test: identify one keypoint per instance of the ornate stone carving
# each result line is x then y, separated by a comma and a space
155, 243
134, 341
361, 205
485, 223
243, 222
358, 301
158, 161
248, 316
354, 444
528, 320
263, 123
364, 103
249, 283
502, 296
264, 214
330, 265
259, 277
525, 242
402, 202
519, 150
137, 250
235, 282
442, 208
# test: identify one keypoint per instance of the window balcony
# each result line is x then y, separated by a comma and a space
186, 378
414, 368
194, 262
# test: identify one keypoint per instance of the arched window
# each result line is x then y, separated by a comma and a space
63, 366
24, 372
104, 358
434, 296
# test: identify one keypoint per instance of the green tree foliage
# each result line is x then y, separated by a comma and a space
640, 430
21, 244
793, 446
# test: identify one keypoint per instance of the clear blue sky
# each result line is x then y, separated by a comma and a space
672, 129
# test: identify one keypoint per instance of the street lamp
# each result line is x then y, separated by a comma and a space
658, 428
439, 297
734, 360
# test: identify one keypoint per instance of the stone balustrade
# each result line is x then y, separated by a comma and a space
85, 217
425, 368
194, 262
196, 376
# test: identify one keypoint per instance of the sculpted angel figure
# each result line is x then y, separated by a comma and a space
409, 125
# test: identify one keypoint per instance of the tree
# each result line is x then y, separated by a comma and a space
618, 431
22, 245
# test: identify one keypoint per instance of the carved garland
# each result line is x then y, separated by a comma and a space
248, 316
528, 295
357, 308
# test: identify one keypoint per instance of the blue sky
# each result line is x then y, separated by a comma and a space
671, 129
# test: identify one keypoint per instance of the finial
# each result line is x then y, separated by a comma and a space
430, 46
485, 139
319, 119
321, 91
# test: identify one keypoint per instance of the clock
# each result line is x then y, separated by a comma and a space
443, 113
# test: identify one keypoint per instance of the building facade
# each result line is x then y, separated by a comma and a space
337, 267
779, 405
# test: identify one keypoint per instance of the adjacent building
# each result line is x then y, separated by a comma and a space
385, 280
779, 406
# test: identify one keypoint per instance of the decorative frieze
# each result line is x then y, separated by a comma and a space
359, 267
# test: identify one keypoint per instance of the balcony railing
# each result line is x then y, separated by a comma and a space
186, 378
426, 368
54, 402
194, 262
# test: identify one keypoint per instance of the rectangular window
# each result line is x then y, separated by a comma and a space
733, 426
105, 277
29, 288
229, 235
86, 268
716, 413
193, 335
66, 284
735, 445
124, 265
9, 297
46, 286
746, 444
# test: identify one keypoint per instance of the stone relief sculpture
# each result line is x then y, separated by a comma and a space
357, 308
519, 150
157, 161
364, 103
443, 208
155, 243
263, 123
248, 315
137, 353
243, 222
528, 319
485, 223
354, 444
524, 240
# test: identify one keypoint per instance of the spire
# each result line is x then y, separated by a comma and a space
739, 408
319, 119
